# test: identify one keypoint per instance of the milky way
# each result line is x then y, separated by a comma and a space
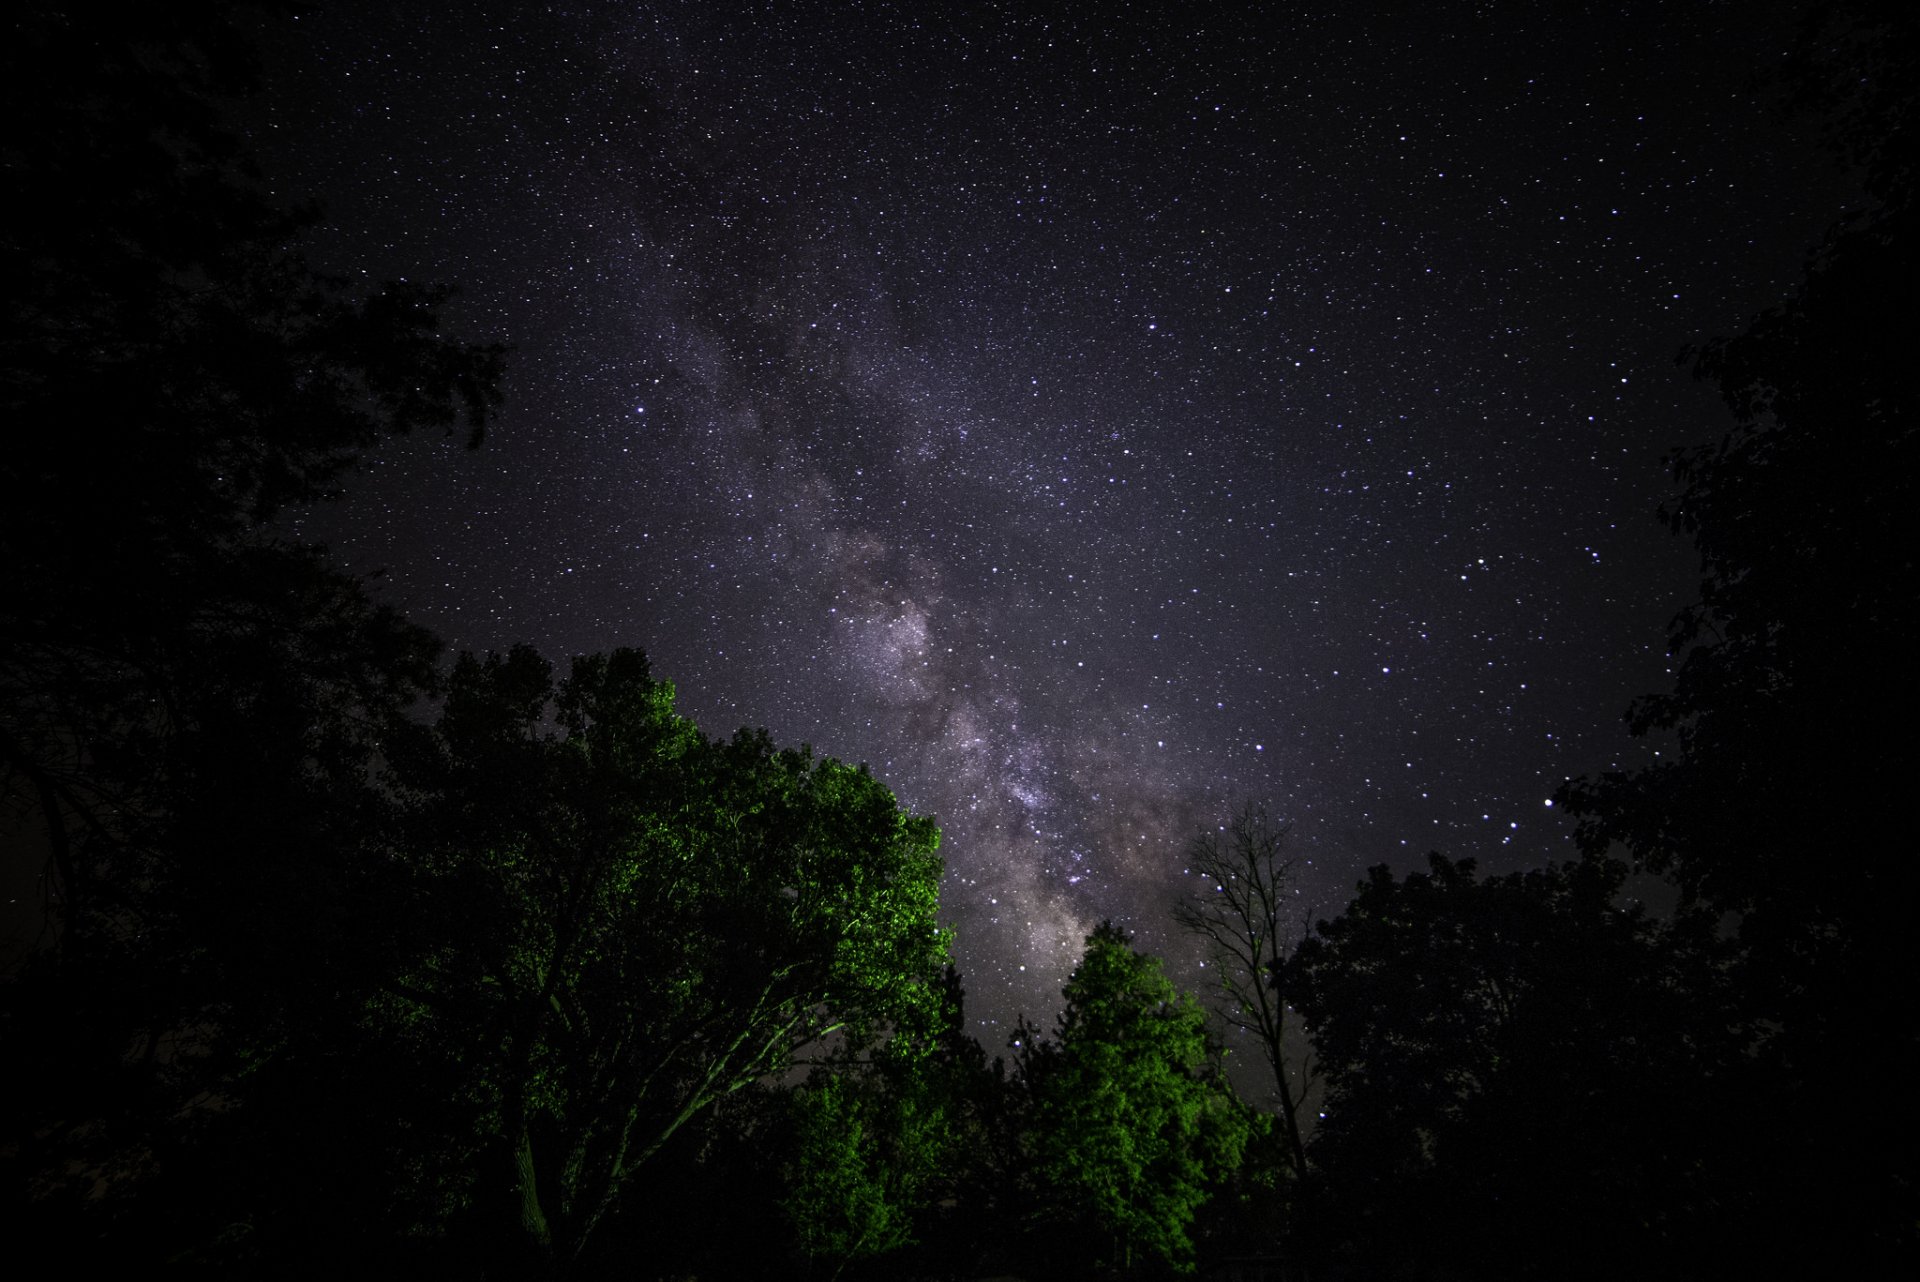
1089, 425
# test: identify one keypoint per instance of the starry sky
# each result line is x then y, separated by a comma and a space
1093, 417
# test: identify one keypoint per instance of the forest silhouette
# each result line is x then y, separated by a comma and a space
355, 957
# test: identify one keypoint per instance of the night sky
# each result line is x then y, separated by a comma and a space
1090, 423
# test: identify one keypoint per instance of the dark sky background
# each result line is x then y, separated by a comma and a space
1090, 422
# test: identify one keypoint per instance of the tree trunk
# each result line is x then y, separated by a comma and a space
533, 1218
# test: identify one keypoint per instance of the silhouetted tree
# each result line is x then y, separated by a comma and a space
191, 707
1517, 1075
1246, 915
1780, 799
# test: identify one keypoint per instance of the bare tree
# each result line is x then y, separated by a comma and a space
1244, 914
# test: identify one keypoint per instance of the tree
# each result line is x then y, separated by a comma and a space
898, 1146
862, 1158
1521, 1074
175, 377
1778, 799
191, 705
632, 922
1242, 915
1132, 1117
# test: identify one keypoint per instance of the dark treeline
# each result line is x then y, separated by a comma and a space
356, 958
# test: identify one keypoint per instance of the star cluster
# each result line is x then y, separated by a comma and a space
1088, 422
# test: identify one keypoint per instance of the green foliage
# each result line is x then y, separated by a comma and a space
1133, 1119
859, 1164
891, 1139
632, 921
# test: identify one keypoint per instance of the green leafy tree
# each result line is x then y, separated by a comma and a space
1132, 1118
861, 1159
891, 1141
636, 922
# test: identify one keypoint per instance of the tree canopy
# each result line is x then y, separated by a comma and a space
1514, 1070
175, 375
353, 961
632, 921
192, 705
1789, 745
1133, 1117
